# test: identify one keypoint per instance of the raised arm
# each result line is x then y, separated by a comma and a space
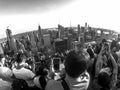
115, 69
99, 63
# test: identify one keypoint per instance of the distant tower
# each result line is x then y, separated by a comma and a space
40, 37
85, 30
9, 34
61, 31
39, 31
40, 34
86, 27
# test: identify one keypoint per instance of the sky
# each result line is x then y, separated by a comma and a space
26, 15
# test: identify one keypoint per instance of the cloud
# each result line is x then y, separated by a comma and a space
30, 6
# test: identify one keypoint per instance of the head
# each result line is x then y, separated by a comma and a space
104, 80
76, 63
18, 58
76, 67
114, 46
104, 40
41, 70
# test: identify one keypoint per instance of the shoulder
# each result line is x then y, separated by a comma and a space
4, 85
54, 85
23, 71
26, 70
5, 72
29, 72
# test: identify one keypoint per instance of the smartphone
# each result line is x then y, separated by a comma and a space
106, 46
56, 63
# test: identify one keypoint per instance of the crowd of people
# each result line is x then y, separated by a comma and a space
94, 67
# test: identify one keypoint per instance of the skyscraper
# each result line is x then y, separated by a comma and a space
11, 40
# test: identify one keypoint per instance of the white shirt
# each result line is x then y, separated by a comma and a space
3, 61
24, 74
5, 85
5, 73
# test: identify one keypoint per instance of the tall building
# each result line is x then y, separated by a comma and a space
47, 41
86, 27
11, 40
40, 35
40, 43
61, 31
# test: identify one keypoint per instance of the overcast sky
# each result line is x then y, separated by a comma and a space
26, 15
29, 6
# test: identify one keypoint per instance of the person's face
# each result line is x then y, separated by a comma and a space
85, 77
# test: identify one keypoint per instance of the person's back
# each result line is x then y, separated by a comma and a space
21, 72
77, 78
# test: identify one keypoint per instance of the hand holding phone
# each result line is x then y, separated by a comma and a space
106, 46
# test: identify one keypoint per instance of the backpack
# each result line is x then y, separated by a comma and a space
19, 84
43, 82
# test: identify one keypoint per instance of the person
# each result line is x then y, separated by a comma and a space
6, 73
106, 75
5, 78
77, 77
90, 51
21, 72
41, 79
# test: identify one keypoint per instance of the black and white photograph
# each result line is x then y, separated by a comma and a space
59, 45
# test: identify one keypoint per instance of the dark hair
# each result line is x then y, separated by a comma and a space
40, 70
113, 44
90, 52
98, 48
42, 82
104, 80
104, 40
18, 57
75, 63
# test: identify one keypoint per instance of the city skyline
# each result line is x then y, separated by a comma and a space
26, 15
